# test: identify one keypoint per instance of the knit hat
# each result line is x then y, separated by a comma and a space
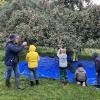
12, 37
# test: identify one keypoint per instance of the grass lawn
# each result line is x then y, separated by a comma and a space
47, 90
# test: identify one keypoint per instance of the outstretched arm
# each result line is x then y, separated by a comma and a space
58, 53
15, 48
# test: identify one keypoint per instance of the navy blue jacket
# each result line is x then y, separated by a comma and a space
97, 64
69, 58
11, 54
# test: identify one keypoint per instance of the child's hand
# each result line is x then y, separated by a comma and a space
60, 48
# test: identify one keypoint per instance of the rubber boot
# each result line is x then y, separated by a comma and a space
31, 83
37, 82
7, 83
17, 83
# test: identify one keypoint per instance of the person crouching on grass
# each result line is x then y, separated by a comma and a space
63, 64
80, 75
33, 58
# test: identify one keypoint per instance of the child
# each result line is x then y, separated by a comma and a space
75, 55
33, 58
80, 75
63, 64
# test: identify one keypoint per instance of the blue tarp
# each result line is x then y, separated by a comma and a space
49, 68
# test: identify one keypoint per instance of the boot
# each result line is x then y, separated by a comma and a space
7, 83
37, 82
31, 83
17, 83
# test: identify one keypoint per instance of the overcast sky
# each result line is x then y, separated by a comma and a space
96, 1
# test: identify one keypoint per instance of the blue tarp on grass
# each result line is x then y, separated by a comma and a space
49, 68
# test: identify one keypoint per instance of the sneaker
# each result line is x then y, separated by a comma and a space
83, 84
78, 83
97, 88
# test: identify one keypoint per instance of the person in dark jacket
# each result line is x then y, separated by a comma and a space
70, 61
96, 58
12, 59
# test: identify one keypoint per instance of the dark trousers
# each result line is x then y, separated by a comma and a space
81, 81
97, 65
98, 79
63, 74
33, 74
71, 67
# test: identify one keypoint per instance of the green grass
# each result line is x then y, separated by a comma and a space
48, 89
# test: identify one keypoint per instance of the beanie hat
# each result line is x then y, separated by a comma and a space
12, 37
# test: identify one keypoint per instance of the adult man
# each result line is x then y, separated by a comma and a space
11, 58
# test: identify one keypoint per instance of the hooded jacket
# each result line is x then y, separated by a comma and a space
80, 74
32, 57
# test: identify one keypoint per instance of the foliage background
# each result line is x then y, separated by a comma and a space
51, 24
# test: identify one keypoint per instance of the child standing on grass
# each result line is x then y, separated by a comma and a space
80, 75
75, 55
63, 64
33, 58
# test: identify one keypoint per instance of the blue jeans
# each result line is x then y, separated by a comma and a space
9, 70
33, 74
